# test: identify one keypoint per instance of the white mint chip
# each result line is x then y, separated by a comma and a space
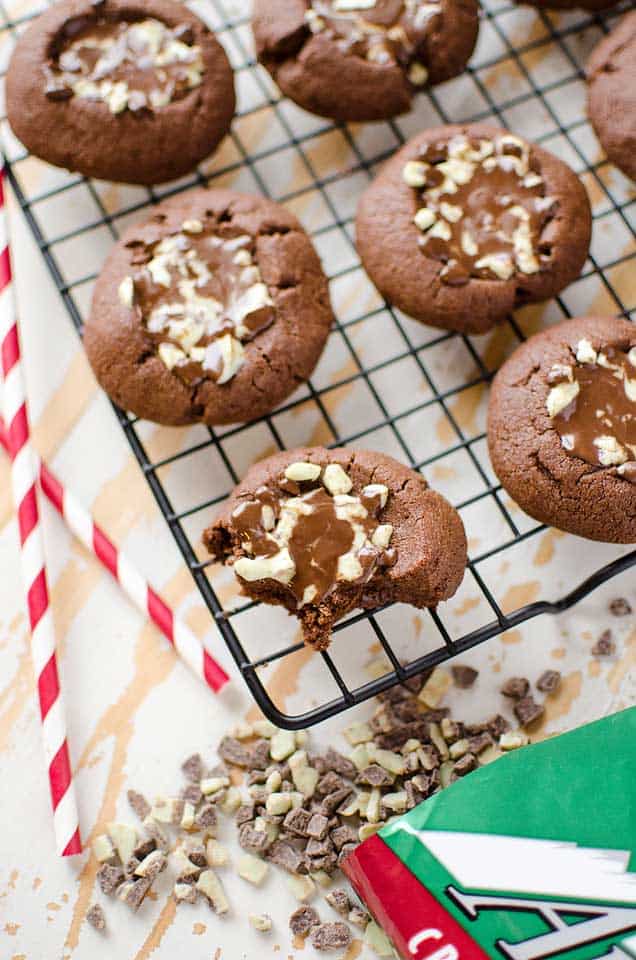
280, 567
126, 291
282, 745
499, 264
274, 781
527, 263
124, 838
610, 451
373, 490
532, 180
268, 518
418, 74
213, 784
513, 740
167, 809
309, 595
252, 869
424, 218
349, 568
305, 780
468, 244
301, 472
303, 888
459, 171
184, 893
435, 687
264, 728
170, 355
630, 389
561, 396
192, 226
243, 258
232, 356
103, 848
116, 97
450, 211
278, 803
261, 922
336, 480
188, 816
631, 356
358, 733
231, 801
585, 352
211, 887
441, 230
382, 535
368, 830
414, 173
217, 854
183, 865
151, 865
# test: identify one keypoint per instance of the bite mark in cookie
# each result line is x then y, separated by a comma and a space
480, 206
321, 532
201, 296
127, 64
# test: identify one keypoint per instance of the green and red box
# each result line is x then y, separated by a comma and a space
529, 857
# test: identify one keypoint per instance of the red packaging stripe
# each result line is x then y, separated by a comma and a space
415, 921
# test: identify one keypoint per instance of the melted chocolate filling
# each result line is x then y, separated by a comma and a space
493, 222
602, 408
139, 64
318, 539
194, 288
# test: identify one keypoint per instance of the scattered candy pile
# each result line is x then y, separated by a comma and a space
303, 811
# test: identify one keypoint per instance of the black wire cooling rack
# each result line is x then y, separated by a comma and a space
536, 110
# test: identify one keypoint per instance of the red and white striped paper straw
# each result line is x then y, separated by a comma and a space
24, 477
189, 648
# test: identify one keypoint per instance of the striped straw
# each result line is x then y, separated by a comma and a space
81, 523
24, 477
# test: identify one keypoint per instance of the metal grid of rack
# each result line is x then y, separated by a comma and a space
543, 103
